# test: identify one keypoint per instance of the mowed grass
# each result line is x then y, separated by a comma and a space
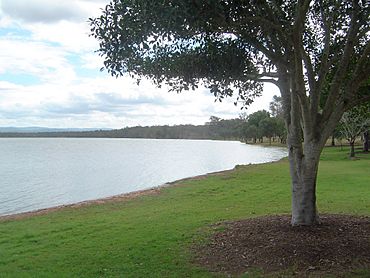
150, 236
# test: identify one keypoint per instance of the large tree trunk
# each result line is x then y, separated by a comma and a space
303, 170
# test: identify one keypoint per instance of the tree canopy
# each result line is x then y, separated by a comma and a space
353, 123
237, 45
315, 51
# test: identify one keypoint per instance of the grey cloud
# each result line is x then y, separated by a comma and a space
103, 102
74, 108
78, 106
15, 113
114, 99
44, 11
97, 1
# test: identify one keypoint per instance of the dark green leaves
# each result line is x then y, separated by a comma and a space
228, 46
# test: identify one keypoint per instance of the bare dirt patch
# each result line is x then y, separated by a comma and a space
337, 246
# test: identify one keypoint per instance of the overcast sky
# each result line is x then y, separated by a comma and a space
49, 75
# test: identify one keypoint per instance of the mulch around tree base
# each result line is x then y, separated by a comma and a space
338, 245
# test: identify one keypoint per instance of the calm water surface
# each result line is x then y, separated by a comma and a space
38, 173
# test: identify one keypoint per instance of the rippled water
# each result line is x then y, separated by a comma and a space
37, 173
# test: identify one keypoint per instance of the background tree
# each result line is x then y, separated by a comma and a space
276, 107
255, 118
276, 110
225, 129
354, 123
316, 52
268, 127
335, 134
250, 132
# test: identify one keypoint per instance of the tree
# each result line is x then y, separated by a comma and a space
250, 132
315, 51
353, 123
268, 127
280, 130
225, 129
276, 107
213, 120
335, 134
255, 118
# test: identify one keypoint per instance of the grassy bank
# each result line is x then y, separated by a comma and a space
149, 236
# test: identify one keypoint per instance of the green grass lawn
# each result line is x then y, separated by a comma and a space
150, 236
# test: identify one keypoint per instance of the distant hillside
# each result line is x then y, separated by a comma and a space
36, 129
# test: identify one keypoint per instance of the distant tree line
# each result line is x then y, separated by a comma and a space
254, 128
220, 130
152, 132
263, 124
248, 128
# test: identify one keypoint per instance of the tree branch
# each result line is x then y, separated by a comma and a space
356, 102
264, 74
361, 73
266, 80
266, 24
333, 96
324, 68
271, 14
302, 9
268, 53
261, 77
298, 55
309, 68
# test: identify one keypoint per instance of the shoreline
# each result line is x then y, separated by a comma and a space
119, 197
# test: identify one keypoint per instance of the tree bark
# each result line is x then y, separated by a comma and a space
352, 154
333, 140
303, 169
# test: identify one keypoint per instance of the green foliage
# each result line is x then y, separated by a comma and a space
268, 127
355, 122
276, 107
260, 124
257, 117
225, 129
149, 236
175, 42
251, 132
215, 129
236, 46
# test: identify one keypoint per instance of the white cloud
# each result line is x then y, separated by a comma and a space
58, 21
118, 100
45, 62
70, 35
49, 41
45, 11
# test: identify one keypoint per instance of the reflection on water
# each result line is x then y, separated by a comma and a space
43, 172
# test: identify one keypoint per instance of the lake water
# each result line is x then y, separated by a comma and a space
38, 173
